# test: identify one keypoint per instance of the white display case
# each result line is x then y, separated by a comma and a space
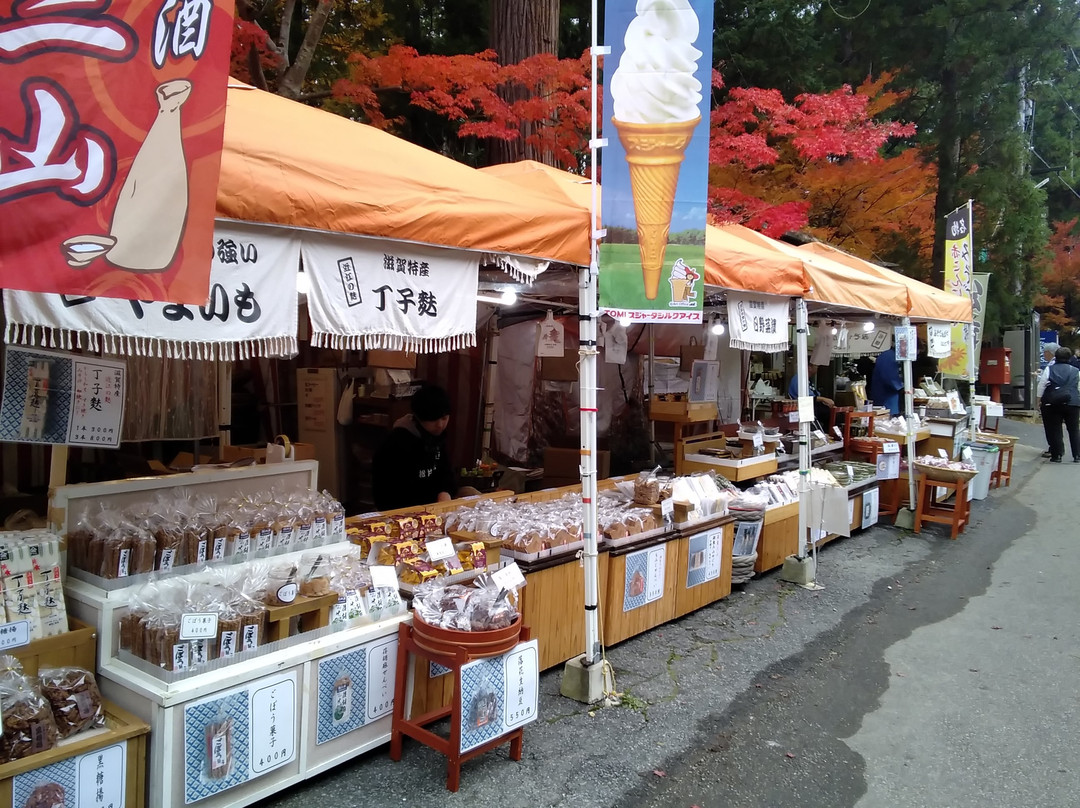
232, 733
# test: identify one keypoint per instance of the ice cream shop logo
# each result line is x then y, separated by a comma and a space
684, 285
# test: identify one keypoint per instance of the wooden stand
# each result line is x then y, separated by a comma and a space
313, 613
931, 509
779, 537
1003, 472
416, 728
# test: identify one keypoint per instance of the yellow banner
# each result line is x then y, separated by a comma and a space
959, 280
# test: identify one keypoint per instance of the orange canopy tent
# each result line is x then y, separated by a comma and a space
737, 257
924, 301
289, 164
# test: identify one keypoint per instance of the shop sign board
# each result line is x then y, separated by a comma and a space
704, 557
354, 686
237, 735
499, 694
52, 397
644, 581
95, 779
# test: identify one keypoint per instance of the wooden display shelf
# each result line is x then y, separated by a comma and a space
900, 438
619, 624
682, 412
75, 648
689, 460
692, 598
779, 537
120, 727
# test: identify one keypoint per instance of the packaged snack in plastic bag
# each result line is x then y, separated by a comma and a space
74, 697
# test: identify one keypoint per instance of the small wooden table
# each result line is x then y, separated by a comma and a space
931, 509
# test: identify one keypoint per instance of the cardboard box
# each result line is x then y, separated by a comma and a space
391, 359
560, 368
682, 410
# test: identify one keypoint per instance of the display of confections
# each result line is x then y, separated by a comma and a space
241, 597
182, 528
32, 583
897, 425
936, 461
483, 606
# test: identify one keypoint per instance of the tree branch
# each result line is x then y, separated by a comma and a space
292, 81
285, 31
255, 71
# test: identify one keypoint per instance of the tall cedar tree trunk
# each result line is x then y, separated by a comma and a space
948, 160
519, 29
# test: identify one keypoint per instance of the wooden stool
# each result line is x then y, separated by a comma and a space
1004, 467
894, 495
931, 509
416, 728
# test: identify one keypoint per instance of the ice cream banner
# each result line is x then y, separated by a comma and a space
960, 281
111, 123
655, 164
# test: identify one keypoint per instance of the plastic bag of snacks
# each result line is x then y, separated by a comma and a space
28, 722
74, 698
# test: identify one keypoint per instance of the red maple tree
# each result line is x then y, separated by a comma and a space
1059, 304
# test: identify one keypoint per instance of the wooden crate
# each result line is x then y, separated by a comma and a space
620, 625
76, 648
688, 599
779, 537
121, 727
682, 411
734, 469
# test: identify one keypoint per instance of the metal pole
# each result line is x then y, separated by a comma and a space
224, 395
588, 316
909, 415
491, 371
652, 423
802, 370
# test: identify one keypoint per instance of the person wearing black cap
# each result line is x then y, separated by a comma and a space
412, 467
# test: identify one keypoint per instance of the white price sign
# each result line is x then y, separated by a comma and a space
12, 635
839, 434
438, 549
509, 577
943, 453
384, 577
198, 626
667, 509
890, 447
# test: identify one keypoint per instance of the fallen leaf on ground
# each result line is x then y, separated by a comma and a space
996, 628
789, 754
659, 772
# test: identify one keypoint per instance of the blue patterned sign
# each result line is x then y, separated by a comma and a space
216, 745
487, 689
342, 692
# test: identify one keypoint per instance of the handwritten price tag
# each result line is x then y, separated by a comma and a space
440, 549
891, 447
943, 453
667, 509
509, 577
839, 434
198, 626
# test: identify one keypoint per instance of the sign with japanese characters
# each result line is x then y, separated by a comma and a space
644, 577
236, 735
96, 779
370, 293
960, 280
53, 397
112, 116
251, 309
499, 694
757, 322
938, 341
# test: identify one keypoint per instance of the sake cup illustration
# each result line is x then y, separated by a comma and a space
145, 234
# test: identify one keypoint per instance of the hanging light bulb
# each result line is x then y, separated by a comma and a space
625, 322
868, 326
718, 328
834, 331
509, 297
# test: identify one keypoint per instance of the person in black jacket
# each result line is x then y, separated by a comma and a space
1059, 399
412, 467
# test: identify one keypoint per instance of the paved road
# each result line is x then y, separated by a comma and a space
927, 673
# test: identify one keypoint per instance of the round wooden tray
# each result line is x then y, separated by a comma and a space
945, 475
477, 644
995, 439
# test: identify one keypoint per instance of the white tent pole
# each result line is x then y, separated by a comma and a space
802, 369
588, 315
909, 415
648, 407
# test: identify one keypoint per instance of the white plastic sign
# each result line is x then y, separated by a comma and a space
943, 453
806, 409
839, 434
667, 509
549, 338
384, 577
890, 447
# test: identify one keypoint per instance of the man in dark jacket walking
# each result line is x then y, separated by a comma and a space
412, 467
1059, 399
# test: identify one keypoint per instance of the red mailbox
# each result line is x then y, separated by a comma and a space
995, 366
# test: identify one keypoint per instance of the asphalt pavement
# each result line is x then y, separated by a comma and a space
927, 672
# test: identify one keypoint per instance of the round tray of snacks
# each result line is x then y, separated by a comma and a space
994, 439
480, 620
949, 471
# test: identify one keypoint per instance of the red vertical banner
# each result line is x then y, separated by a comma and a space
111, 123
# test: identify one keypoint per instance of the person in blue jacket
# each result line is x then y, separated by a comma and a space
885, 384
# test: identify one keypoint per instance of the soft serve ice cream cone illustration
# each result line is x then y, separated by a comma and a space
656, 101
682, 280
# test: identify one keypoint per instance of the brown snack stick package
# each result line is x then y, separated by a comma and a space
74, 697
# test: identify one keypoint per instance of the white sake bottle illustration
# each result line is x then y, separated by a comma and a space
145, 234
